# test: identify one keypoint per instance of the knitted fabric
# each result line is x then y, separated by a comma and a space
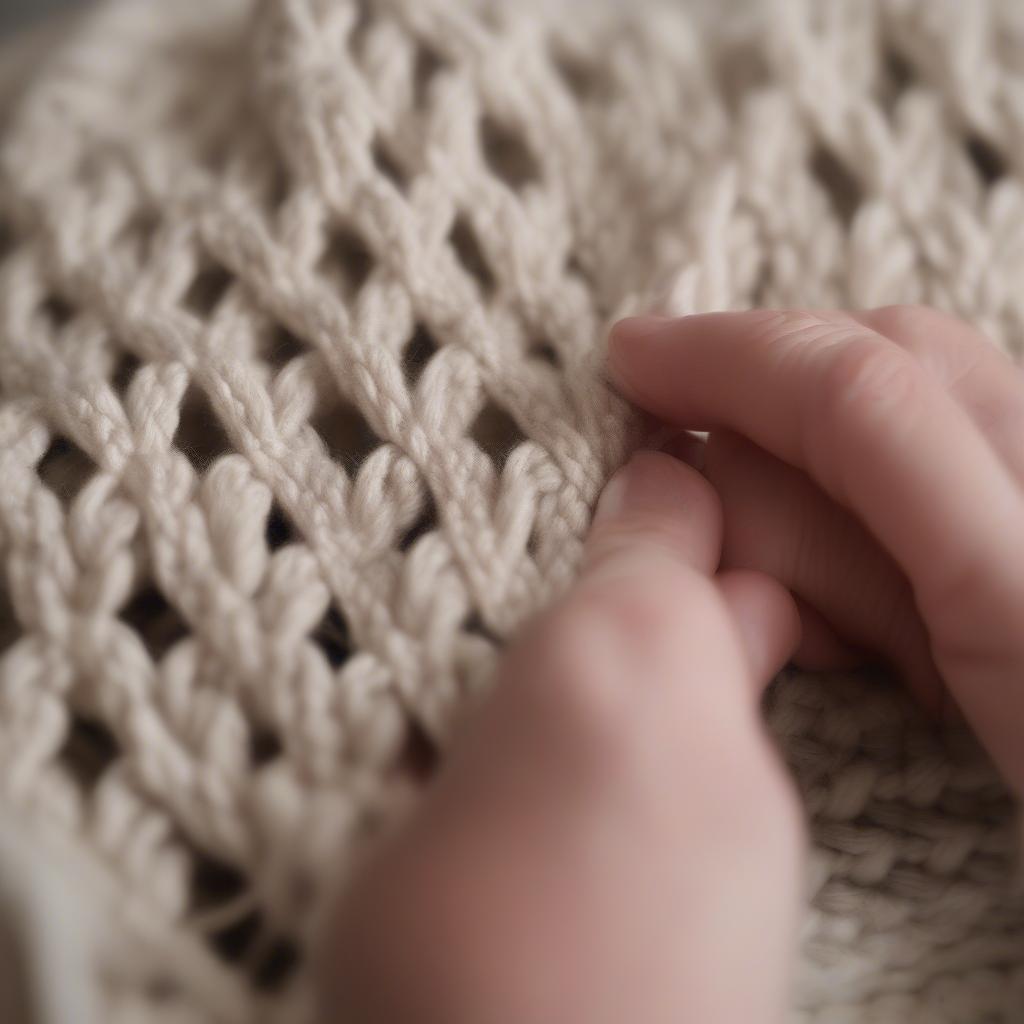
302, 307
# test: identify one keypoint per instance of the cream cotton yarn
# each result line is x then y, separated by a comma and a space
301, 415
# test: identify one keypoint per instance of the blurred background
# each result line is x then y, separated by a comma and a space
16, 13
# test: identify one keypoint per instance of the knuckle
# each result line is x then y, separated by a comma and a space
867, 381
578, 686
563, 638
649, 597
785, 327
908, 319
648, 606
600, 651
943, 343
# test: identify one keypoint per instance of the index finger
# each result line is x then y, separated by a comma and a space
854, 411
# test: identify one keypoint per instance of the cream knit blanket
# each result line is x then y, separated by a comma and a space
301, 414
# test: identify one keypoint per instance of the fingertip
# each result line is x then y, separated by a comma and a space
632, 329
658, 504
624, 339
767, 618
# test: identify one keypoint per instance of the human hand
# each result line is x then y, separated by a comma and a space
613, 838
873, 463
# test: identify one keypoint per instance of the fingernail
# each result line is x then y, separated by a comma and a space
654, 512
649, 482
637, 328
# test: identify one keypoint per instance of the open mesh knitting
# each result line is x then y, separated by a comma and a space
301, 415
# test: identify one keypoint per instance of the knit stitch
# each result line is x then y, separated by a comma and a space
302, 306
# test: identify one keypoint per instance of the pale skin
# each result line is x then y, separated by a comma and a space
614, 837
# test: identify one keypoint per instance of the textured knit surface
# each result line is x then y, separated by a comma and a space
302, 306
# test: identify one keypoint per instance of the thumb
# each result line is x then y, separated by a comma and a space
658, 515
658, 510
